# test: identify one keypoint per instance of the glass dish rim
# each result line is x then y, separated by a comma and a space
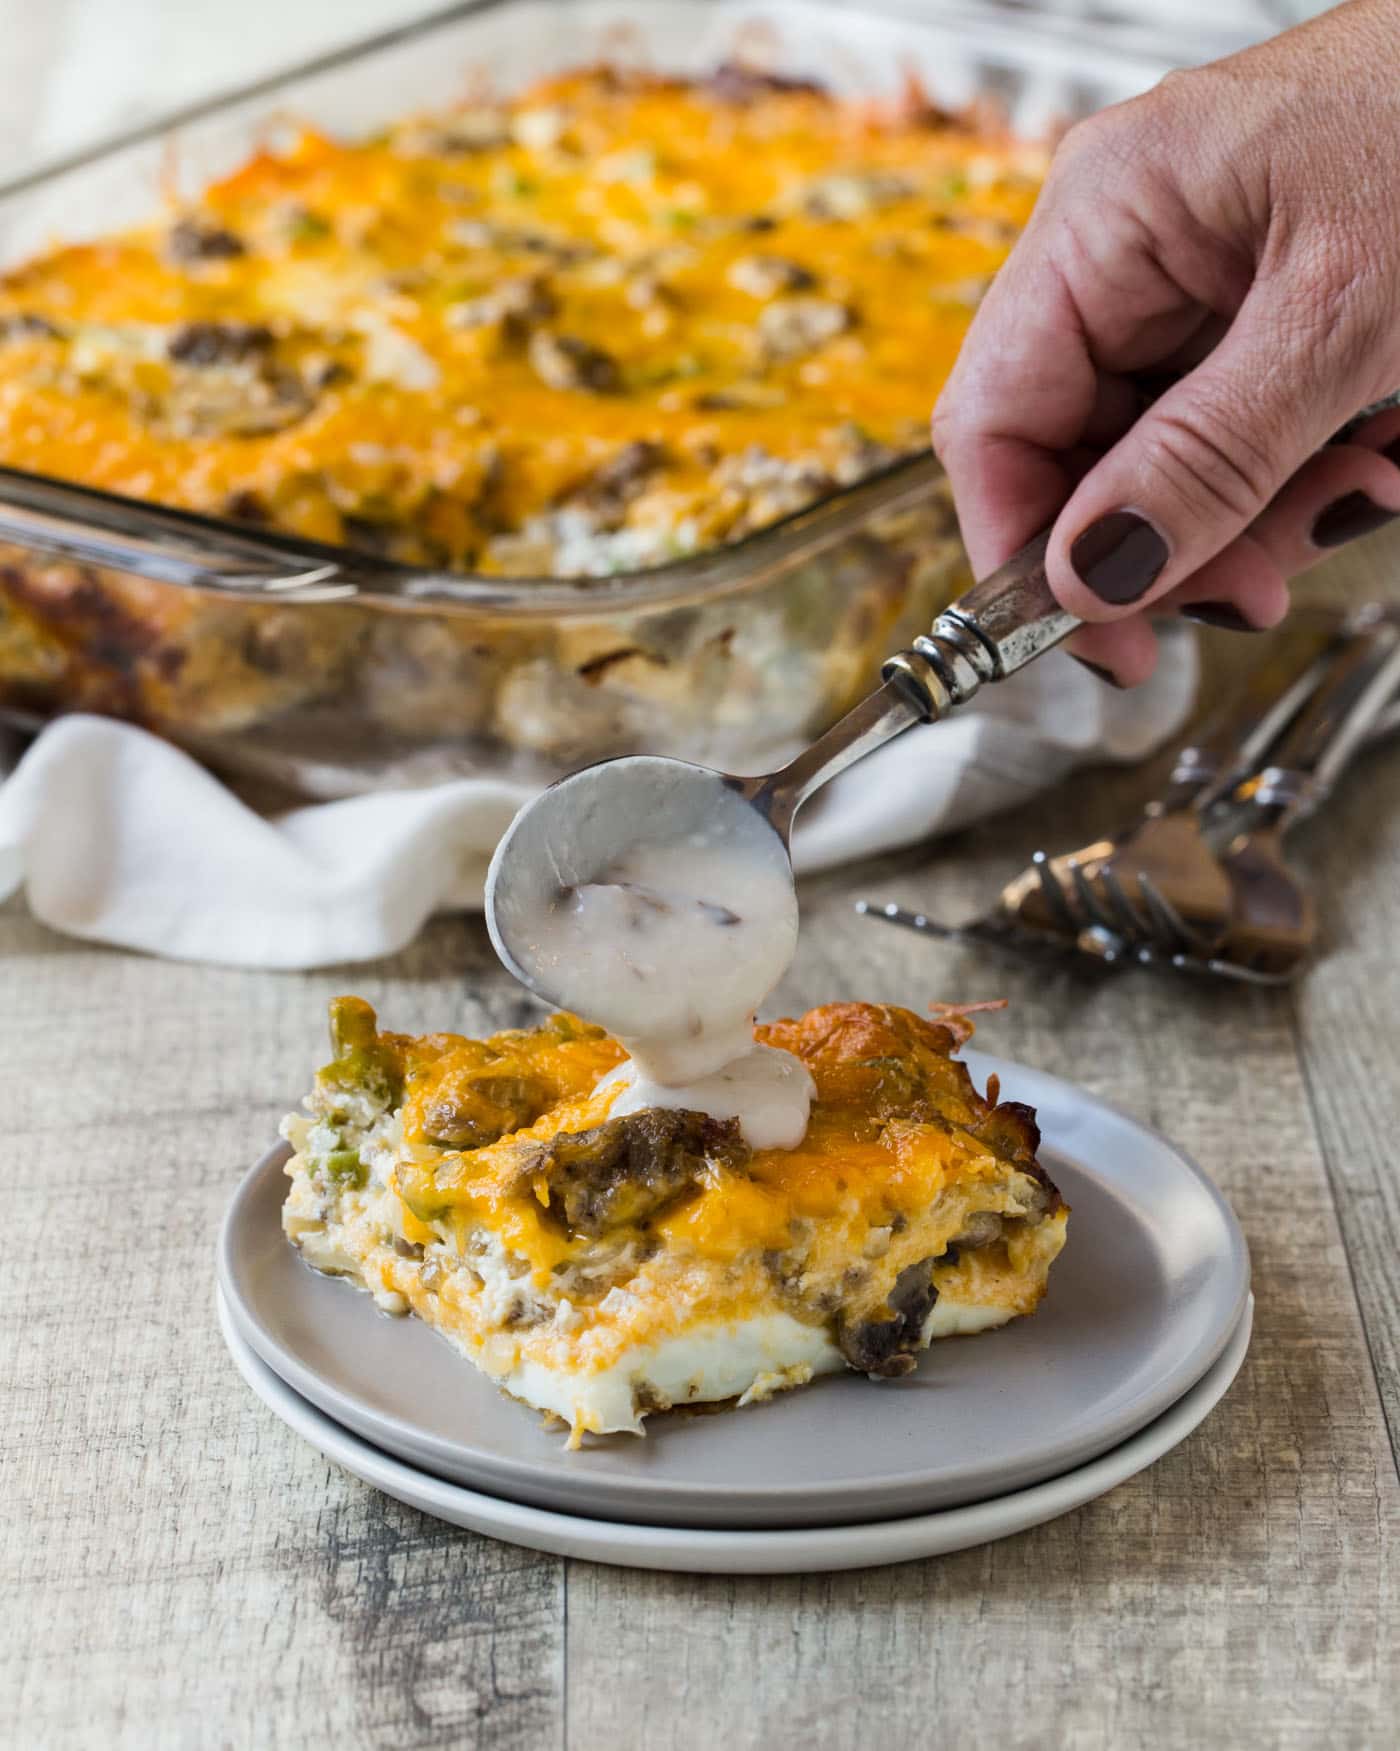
711, 571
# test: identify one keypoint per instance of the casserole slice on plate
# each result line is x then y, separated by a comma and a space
601, 1268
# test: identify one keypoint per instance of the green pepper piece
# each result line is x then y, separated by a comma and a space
354, 1026
425, 1208
361, 1060
345, 1165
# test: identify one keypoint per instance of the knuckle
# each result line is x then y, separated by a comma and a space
1086, 147
1175, 79
946, 424
1117, 139
1211, 463
1082, 138
968, 404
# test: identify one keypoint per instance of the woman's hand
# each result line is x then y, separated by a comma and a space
1240, 223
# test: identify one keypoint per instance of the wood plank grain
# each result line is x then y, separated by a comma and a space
1348, 1010
223, 1583
1242, 1592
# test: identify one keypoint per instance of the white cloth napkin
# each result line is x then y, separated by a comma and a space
120, 838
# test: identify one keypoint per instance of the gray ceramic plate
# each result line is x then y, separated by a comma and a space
796, 1551
1142, 1302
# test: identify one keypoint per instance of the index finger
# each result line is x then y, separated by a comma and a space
1021, 396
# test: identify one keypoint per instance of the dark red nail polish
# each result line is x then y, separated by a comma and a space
1391, 452
1102, 673
1119, 558
1348, 520
1223, 614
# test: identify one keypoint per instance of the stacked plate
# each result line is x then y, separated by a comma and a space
1146, 1324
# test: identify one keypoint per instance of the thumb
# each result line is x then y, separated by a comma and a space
1198, 467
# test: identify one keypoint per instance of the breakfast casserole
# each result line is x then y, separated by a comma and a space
603, 1267
620, 318
617, 320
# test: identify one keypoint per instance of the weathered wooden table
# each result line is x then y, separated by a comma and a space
179, 1569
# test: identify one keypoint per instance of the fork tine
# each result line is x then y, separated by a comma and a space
1094, 909
1130, 919
893, 914
997, 929
1094, 935
1096, 948
1234, 970
1054, 894
1000, 932
1099, 946
1173, 926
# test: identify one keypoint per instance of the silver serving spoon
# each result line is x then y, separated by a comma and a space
575, 831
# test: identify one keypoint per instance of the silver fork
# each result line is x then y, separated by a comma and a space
1059, 893
1271, 925
1080, 905
1035, 914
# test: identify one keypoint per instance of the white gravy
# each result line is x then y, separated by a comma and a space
672, 948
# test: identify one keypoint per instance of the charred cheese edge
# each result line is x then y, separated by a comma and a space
601, 1269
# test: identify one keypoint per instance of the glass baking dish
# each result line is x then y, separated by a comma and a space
334, 673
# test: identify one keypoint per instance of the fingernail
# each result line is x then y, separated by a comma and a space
1219, 614
1102, 673
1119, 558
1348, 520
1391, 452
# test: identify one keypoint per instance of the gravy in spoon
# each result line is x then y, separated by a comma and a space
672, 946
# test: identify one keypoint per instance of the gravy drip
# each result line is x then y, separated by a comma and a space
672, 948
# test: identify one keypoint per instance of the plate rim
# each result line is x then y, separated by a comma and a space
711, 1550
389, 1432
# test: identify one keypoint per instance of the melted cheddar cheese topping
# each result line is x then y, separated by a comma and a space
617, 318
850, 1165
